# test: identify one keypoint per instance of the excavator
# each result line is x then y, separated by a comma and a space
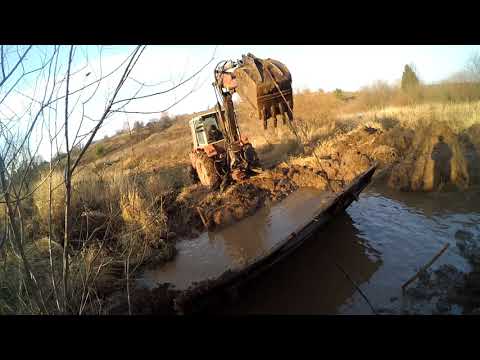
220, 152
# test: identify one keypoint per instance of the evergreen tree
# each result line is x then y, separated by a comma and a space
409, 79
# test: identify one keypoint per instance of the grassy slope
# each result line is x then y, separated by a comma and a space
319, 116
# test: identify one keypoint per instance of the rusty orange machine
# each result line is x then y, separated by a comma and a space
220, 153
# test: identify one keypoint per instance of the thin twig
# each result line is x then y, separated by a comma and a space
357, 287
426, 266
202, 217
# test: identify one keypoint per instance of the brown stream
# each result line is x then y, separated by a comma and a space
381, 241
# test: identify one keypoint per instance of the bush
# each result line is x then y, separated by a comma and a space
100, 151
143, 214
339, 94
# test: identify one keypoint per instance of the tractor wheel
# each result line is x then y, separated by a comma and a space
206, 170
251, 156
192, 174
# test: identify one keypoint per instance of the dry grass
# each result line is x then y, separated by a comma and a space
458, 116
315, 114
90, 270
314, 118
115, 216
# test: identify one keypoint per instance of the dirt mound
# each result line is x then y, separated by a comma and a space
196, 208
435, 160
243, 199
474, 134
237, 202
346, 156
391, 145
431, 157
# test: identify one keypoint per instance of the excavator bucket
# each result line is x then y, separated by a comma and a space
267, 87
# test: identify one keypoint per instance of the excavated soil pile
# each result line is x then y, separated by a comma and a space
197, 208
431, 157
234, 204
345, 156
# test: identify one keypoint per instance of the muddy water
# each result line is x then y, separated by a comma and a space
239, 244
381, 241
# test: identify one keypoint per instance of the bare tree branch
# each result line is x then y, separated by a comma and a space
68, 191
20, 61
157, 112
107, 110
2, 62
174, 87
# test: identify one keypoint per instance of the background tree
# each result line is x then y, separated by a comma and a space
473, 67
339, 94
409, 78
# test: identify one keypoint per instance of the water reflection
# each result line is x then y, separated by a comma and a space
242, 244
381, 242
308, 281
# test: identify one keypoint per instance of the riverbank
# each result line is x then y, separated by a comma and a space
134, 203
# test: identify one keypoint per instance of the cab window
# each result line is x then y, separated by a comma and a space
202, 128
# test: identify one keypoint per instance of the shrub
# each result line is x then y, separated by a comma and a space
100, 151
142, 214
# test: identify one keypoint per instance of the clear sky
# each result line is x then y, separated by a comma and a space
314, 67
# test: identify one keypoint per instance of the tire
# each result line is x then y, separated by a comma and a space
192, 174
206, 170
251, 156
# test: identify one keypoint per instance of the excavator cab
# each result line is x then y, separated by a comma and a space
206, 130
208, 158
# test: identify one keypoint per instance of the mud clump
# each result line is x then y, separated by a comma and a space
440, 290
469, 246
237, 202
159, 301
